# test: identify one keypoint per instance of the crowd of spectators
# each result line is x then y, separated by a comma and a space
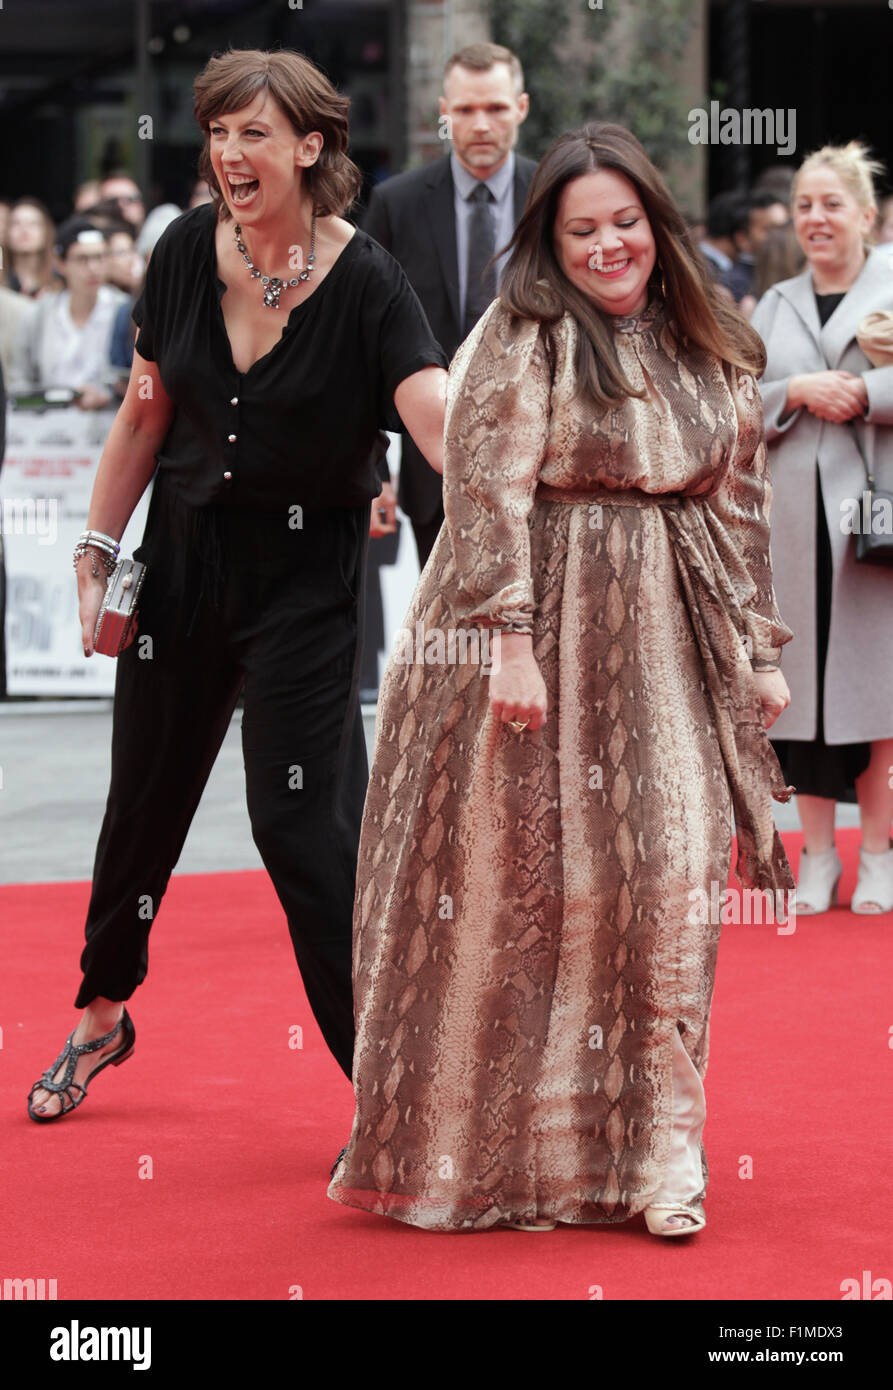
66, 295
748, 241
67, 290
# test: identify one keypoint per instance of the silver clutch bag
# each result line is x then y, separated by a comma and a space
116, 616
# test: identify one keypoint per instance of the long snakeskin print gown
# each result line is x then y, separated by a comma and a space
524, 935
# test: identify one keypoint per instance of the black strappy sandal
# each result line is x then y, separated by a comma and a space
69, 1055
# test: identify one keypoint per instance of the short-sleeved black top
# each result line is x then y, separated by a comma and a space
302, 425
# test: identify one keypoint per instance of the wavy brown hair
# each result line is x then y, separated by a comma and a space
232, 80
696, 311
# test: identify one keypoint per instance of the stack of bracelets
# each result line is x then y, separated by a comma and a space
96, 543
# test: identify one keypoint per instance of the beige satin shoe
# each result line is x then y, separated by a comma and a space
528, 1226
656, 1216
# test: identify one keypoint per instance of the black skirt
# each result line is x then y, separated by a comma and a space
814, 767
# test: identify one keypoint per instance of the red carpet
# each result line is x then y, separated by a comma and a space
242, 1129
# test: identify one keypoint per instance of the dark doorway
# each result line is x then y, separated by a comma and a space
829, 62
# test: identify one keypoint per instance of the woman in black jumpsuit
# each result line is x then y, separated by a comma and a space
254, 543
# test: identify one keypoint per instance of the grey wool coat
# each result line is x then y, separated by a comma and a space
859, 667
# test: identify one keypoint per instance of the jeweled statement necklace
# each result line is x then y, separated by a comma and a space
273, 286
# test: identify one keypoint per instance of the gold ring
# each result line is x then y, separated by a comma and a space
518, 728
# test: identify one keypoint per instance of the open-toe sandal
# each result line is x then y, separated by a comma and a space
656, 1216
70, 1092
818, 881
874, 884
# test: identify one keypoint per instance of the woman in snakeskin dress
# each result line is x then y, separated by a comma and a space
532, 972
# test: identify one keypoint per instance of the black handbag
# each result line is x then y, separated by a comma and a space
873, 547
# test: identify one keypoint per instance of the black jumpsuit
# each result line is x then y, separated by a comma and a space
255, 544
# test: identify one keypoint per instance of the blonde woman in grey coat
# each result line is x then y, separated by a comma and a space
820, 394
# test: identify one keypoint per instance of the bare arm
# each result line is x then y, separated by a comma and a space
125, 470
421, 402
128, 459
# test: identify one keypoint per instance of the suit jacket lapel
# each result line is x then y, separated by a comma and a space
519, 192
440, 211
799, 293
840, 330
441, 216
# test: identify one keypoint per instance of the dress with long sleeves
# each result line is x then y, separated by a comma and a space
528, 923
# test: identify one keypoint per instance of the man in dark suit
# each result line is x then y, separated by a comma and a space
443, 223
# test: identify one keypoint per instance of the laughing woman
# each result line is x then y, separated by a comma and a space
533, 979
273, 337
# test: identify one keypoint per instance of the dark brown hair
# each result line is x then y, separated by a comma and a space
232, 80
696, 311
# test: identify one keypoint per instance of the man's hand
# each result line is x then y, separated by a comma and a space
383, 521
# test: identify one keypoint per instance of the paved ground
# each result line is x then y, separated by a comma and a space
54, 767
54, 758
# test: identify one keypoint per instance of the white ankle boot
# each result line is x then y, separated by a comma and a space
875, 882
818, 879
